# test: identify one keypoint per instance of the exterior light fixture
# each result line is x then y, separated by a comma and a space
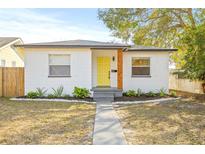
113, 58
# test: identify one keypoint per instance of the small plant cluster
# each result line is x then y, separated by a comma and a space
58, 93
40, 92
138, 93
81, 92
133, 93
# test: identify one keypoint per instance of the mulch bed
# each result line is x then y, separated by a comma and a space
88, 99
117, 99
139, 98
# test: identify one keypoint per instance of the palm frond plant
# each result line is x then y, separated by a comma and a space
41, 92
58, 92
162, 92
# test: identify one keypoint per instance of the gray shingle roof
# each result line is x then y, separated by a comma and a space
95, 44
75, 43
6, 40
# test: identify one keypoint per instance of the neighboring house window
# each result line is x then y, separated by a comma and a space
140, 66
13, 63
59, 65
3, 63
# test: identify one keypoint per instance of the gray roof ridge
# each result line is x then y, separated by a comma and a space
77, 42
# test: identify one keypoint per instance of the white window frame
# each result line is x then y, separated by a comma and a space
3, 61
49, 75
147, 58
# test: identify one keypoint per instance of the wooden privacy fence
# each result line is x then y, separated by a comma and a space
185, 85
11, 81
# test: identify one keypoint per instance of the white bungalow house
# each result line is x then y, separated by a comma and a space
98, 66
9, 56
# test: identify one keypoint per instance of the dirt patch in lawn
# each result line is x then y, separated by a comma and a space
178, 122
46, 122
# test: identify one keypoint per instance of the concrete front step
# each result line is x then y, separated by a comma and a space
106, 94
103, 96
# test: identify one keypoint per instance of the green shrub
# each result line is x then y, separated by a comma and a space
139, 92
173, 94
41, 92
150, 94
32, 94
130, 93
58, 92
81, 92
162, 92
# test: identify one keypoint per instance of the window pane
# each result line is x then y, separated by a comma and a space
59, 59
140, 61
3, 63
140, 70
59, 70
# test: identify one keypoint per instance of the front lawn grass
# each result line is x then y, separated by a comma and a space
46, 122
179, 122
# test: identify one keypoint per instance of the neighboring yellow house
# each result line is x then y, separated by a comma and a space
9, 56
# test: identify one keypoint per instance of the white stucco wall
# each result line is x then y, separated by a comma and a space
36, 70
84, 70
159, 62
113, 65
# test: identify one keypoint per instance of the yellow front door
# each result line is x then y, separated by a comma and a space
103, 71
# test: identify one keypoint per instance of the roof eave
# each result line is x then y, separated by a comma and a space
71, 46
151, 50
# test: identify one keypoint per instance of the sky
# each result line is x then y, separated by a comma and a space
47, 25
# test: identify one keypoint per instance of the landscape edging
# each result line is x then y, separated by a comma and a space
161, 100
51, 100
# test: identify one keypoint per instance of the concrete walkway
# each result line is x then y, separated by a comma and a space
107, 129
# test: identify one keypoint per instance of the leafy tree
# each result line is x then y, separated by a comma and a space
159, 27
162, 28
194, 41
